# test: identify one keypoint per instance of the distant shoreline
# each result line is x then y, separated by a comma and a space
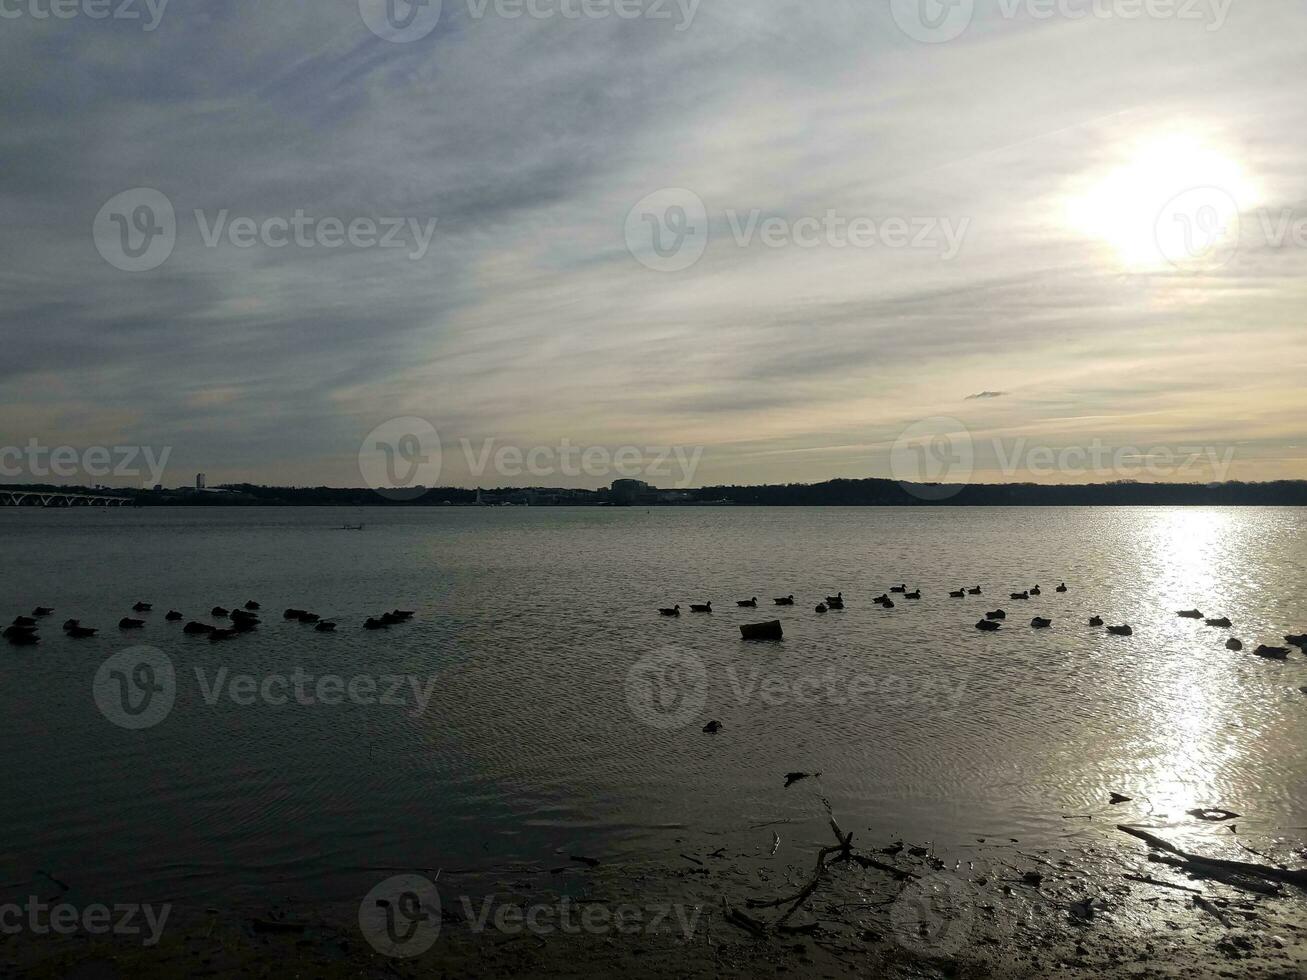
832, 493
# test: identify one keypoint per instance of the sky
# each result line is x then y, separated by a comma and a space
741, 241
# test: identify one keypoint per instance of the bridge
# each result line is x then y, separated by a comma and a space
56, 498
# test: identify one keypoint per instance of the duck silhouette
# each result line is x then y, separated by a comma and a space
141, 607
21, 638
1271, 653
71, 624
1020, 595
960, 594
912, 595
1233, 644
127, 623
1062, 588
1123, 630
325, 627
975, 591
988, 626
217, 612
748, 603
821, 608
674, 611
174, 616
835, 598
197, 629
1040, 624
81, 632
1096, 621
24, 621
787, 601
996, 614
1190, 614
41, 612
900, 589
1222, 623
252, 606
1299, 641
886, 603
1036, 591
704, 608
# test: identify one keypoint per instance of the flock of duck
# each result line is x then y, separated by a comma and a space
992, 621
24, 631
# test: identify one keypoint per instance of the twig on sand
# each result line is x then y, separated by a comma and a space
1211, 866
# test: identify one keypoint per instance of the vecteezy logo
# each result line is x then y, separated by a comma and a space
933, 916
401, 21
933, 459
136, 230
668, 230
400, 918
400, 459
933, 21
136, 688
1199, 229
667, 689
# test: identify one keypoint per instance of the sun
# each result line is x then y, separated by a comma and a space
1174, 201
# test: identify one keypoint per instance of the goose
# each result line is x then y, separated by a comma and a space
975, 591
705, 608
252, 606
1123, 630
1036, 591
996, 614
1062, 588
1235, 645
1190, 614
174, 616
1271, 653
217, 612
960, 594
1040, 624
901, 589
1222, 623
142, 607
81, 632
821, 608
1020, 595
988, 626
41, 611
24, 621
674, 611
912, 595
1096, 621
197, 629
748, 603
787, 601
1299, 641
325, 627
130, 624
71, 624
22, 639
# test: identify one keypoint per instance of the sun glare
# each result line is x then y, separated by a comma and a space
1175, 201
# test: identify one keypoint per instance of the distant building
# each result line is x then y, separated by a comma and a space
199, 481
628, 492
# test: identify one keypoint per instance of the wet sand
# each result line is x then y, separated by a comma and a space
1101, 906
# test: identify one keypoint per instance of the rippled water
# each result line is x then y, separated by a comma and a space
538, 744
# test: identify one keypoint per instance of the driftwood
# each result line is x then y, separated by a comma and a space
1208, 865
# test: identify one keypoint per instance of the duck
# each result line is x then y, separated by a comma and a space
1096, 621
81, 632
1271, 653
217, 612
901, 589
252, 606
835, 598
1020, 595
22, 638
40, 612
130, 624
988, 626
389, 619
748, 603
141, 607
960, 594
705, 608
1036, 591
1233, 644
375, 624
1123, 630
71, 624
882, 598
24, 621
325, 627
674, 611
218, 636
309, 618
975, 591
292, 614
712, 728
1062, 588
912, 595
1222, 623
1190, 614
244, 625
887, 604
403, 615
12, 632
996, 614
174, 616
197, 629
1040, 624
787, 601
821, 607
1299, 641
